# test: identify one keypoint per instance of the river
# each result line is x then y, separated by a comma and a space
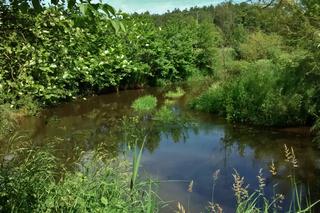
179, 155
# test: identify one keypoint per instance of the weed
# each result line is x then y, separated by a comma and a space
175, 94
145, 104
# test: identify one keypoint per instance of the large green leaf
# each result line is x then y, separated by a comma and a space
109, 10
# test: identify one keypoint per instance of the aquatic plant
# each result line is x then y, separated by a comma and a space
179, 92
145, 103
169, 102
137, 154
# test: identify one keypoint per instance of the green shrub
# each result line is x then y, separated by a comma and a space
53, 56
7, 122
259, 45
211, 100
256, 95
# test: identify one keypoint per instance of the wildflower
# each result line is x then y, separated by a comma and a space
294, 160
261, 180
287, 153
215, 175
180, 208
190, 186
238, 187
290, 156
272, 169
215, 208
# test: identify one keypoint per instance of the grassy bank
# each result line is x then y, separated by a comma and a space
33, 179
264, 82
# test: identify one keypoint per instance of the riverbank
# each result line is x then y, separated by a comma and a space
174, 154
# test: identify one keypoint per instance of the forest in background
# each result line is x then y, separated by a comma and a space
264, 56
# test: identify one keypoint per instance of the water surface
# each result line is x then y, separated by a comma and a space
178, 155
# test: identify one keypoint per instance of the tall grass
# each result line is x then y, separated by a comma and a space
35, 182
257, 201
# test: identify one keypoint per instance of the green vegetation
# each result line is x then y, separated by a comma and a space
264, 57
56, 54
175, 94
33, 180
145, 103
266, 73
165, 115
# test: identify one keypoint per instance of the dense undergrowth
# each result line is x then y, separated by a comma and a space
34, 181
267, 71
59, 54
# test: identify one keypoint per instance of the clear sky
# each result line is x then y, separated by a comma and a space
157, 6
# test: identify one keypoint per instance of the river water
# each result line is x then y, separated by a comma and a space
175, 157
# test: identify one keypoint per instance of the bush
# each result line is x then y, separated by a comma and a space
259, 45
257, 94
54, 56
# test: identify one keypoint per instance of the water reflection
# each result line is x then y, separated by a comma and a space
177, 154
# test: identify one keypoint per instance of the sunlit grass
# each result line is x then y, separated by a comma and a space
145, 103
179, 92
35, 182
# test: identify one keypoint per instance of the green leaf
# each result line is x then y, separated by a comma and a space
104, 201
122, 27
115, 25
108, 9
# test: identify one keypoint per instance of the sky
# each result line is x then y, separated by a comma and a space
158, 6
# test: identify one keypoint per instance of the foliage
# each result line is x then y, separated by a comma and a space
175, 94
259, 45
7, 123
145, 103
261, 88
165, 115
98, 185
57, 55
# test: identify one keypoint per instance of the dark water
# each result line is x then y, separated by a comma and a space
177, 156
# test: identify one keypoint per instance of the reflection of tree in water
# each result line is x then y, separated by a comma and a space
134, 129
268, 147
